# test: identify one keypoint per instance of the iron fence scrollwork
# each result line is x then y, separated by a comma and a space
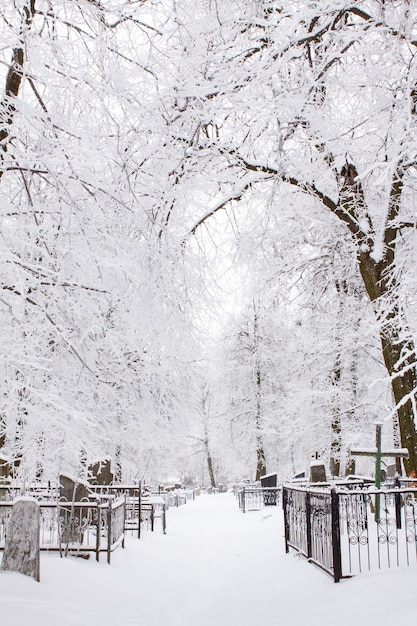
337, 530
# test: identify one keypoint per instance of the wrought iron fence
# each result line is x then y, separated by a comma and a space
348, 531
256, 498
144, 511
75, 527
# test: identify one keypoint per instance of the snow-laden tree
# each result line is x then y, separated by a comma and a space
92, 298
319, 98
306, 383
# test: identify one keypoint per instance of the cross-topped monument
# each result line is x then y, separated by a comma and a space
378, 453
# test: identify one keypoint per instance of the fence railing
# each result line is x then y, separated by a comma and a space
346, 531
76, 527
256, 498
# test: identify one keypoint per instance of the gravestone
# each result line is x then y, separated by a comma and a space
4, 477
22, 549
4, 469
350, 467
269, 481
100, 473
299, 475
71, 518
317, 472
71, 490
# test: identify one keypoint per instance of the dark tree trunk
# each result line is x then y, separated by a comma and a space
13, 84
210, 467
260, 452
336, 424
398, 349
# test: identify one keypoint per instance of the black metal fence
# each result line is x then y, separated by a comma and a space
76, 527
97, 524
256, 498
347, 531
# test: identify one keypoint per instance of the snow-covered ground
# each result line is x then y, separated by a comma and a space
215, 567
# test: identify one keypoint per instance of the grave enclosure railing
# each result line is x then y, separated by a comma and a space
340, 530
95, 525
255, 498
76, 527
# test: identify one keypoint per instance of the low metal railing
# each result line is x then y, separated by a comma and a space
76, 527
256, 498
145, 511
347, 531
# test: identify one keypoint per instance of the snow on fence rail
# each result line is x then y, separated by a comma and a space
337, 530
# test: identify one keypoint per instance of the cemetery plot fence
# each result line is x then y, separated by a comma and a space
255, 498
76, 527
141, 509
337, 528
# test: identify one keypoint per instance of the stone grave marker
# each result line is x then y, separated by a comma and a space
269, 481
22, 548
4, 477
100, 473
317, 472
71, 490
4, 469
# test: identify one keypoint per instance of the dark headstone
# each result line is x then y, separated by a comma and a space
391, 471
71, 517
71, 490
100, 473
317, 473
4, 477
299, 475
269, 480
4, 469
22, 550
334, 466
350, 467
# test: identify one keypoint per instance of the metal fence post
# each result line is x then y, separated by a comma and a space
308, 523
397, 499
124, 521
286, 522
164, 520
98, 532
109, 532
337, 555
139, 509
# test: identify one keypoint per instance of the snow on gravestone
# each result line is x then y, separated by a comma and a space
21, 550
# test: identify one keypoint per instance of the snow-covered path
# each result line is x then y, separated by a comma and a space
215, 567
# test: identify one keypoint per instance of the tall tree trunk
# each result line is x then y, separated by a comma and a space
209, 464
336, 423
398, 349
260, 452
13, 84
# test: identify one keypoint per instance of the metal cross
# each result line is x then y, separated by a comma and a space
397, 453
